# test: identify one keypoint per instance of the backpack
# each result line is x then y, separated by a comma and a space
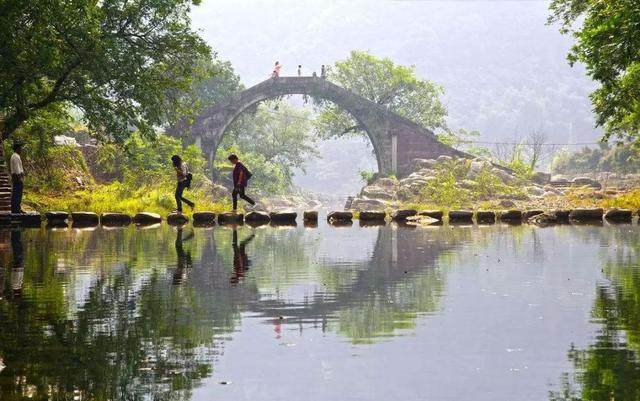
188, 180
249, 175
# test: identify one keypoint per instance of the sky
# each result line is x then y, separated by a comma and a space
503, 69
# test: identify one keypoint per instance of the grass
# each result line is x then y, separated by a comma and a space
117, 197
630, 200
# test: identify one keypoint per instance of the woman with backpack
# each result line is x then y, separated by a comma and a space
240, 177
184, 181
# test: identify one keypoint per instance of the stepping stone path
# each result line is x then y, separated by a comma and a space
57, 218
115, 219
5, 185
147, 218
177, 219
85, 219
29, 219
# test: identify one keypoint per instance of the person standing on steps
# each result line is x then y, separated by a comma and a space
184, 181
17, 178
240, 176
276, 70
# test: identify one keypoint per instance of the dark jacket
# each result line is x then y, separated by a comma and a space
240, 175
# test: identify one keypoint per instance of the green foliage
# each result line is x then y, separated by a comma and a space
368, 176
272, 144
612, 158
143, 162
122, 64
607, 42
392, 86
463, 139
444, 190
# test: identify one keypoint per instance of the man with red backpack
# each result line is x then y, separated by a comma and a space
241, 176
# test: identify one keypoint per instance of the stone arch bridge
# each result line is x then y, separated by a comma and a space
396, 140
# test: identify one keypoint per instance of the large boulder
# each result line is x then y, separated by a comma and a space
419, 164
541, 178
388, 183
444, 159
378, 192
403, 214
367, 204
586, 181
504, 176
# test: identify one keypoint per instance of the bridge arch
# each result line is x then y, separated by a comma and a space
396, 141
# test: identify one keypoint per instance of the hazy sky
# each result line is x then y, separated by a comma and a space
504, 70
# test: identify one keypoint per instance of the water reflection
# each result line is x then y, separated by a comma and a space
184, 258
241, 261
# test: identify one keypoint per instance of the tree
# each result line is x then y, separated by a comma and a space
607, 42
275, 142
387, 84
123, 64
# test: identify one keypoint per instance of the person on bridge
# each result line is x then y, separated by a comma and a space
184, 181
323, 72
17, 178
299, 70
276, 70
240, 176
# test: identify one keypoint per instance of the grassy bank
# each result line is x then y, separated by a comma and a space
118, 197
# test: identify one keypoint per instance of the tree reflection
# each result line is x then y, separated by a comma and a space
609, 369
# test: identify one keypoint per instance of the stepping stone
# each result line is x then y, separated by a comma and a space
341, 223
204, 217
510, 216
485, 217
283, 223
57, 218
147, 218
339, 216
402, 214
561, 215
586, 214
85, 219
619, 215
527, 214
310, 216
115, 219
460, 216
230, 218
311, 223
177, 219
372, 215
434, 214
285, 216
257, 218
29, 219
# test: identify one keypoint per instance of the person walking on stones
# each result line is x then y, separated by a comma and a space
323, 72
17, 178
276, 70
184, 181
299, 70
240, 176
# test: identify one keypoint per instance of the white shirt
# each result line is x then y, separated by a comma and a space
15, 164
